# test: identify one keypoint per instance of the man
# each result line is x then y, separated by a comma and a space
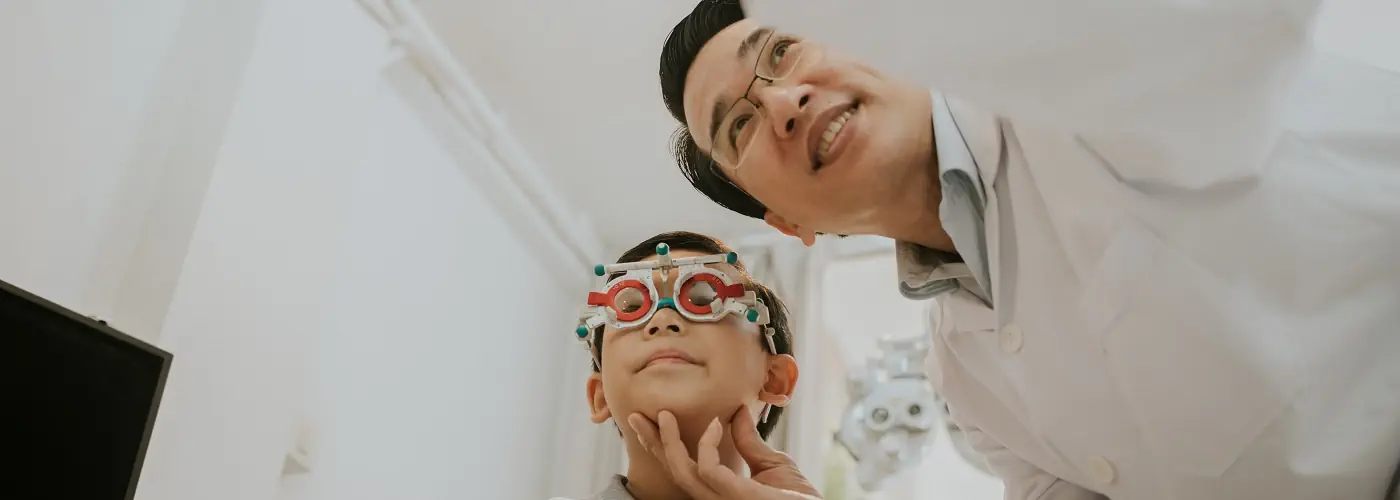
1164, 264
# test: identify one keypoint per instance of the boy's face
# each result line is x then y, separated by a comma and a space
696, 370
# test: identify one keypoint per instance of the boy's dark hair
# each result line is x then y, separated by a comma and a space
677, 54
777, 311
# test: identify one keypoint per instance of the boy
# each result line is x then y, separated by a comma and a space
687, 331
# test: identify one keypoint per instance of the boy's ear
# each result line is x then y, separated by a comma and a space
782, 380
597, 401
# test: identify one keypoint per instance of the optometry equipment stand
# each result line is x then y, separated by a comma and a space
888, 426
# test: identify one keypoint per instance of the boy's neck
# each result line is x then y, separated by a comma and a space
647, 479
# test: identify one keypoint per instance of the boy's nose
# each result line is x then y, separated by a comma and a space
655, 329
666, 320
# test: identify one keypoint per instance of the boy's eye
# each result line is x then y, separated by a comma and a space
880, 415
701, 294
629, 300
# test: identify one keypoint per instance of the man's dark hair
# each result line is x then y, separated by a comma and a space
677, 55
687, 241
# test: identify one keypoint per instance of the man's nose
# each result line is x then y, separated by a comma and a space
786, 106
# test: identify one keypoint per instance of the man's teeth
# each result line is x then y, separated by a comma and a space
832, 129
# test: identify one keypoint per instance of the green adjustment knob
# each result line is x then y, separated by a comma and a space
600, 270
662, 249
752, 315
731, 258
582, 332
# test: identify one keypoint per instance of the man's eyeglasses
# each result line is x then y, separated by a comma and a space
739, 125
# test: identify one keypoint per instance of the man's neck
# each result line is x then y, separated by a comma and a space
647, 479
912, 215
920, 223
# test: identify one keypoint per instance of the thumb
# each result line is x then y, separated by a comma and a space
751, 446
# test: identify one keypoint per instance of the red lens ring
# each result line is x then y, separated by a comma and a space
684, 297
617, 288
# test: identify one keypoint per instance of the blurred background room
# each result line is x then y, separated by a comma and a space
364, 229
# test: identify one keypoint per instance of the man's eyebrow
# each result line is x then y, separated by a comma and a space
716, 116
751, 43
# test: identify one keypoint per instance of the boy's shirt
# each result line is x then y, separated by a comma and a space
616, 490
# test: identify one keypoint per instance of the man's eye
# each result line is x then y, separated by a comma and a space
779, 51
736, 129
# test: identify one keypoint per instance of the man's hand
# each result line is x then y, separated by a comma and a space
774, 475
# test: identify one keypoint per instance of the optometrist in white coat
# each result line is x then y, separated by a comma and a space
1184, 282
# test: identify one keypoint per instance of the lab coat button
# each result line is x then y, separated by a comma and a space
1100, 470
1011, 339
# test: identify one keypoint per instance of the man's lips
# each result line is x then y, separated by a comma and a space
818, 127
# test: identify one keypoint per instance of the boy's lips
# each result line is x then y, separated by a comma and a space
669, 356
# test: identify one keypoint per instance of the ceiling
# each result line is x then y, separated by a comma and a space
576, 83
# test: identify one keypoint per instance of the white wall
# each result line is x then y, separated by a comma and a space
247, 185
112, 111
347, 274
1363, 29
77, 84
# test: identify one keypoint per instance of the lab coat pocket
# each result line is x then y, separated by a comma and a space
1202, 379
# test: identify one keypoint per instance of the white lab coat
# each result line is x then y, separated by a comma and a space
1193, 229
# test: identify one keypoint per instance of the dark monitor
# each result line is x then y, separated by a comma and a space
77, 402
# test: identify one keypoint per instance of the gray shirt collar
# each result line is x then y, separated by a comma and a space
616, 490
924, 272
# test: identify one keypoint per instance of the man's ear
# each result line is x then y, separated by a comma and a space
782, 380
597, 401
808, 236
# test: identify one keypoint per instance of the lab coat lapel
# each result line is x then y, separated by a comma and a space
982, 133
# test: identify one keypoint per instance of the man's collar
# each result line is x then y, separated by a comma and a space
616, 490
953, 152
925, 272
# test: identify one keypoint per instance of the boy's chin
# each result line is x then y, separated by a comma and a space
690, 412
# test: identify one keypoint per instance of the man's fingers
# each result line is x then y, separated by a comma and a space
716, 476
683, 469
707, 450
669, 451
647, 435
750, 445
671, 444
728, 484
